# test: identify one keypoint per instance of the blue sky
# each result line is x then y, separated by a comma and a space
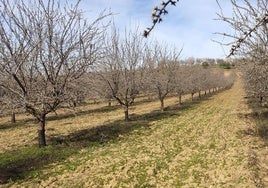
190, 24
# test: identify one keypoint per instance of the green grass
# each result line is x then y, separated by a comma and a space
29, 161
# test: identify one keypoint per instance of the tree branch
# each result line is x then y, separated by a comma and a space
156, 15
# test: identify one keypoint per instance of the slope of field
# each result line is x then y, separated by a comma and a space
206, 144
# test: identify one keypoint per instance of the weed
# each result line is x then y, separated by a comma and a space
212, 146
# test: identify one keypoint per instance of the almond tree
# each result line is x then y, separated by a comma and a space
46, 46
256, 83
98, 87
180, 81
249, 21
9, 103
118, 70
162, 71
192, 79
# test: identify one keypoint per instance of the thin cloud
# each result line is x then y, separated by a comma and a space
190, 24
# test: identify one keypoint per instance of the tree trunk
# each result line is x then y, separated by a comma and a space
205, 92
126, 113
162, 105
13, 117
180, 102
192, 96
261, 100
109, 103
41, 131
199, 94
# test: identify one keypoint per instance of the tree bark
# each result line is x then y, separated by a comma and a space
180, 101
261, 99
13, 117
126, 113
74, 103
162, 105
41, 131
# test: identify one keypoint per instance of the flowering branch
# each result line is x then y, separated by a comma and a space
262, 21
157, 13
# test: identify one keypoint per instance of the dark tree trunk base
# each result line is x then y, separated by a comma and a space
41, 138
180, 101
41, 131
13, 117
162, 105
126, 114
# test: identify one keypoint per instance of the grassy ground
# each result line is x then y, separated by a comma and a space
208, 143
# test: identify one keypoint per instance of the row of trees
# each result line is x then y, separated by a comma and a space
250, 21
51, 57
132, 66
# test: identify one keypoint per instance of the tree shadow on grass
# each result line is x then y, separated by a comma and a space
261, 129
260, 116
27, 162
21, 164
17, 165
19, 123
262, 125
30, 120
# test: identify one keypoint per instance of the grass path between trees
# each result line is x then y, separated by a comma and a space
209, 144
